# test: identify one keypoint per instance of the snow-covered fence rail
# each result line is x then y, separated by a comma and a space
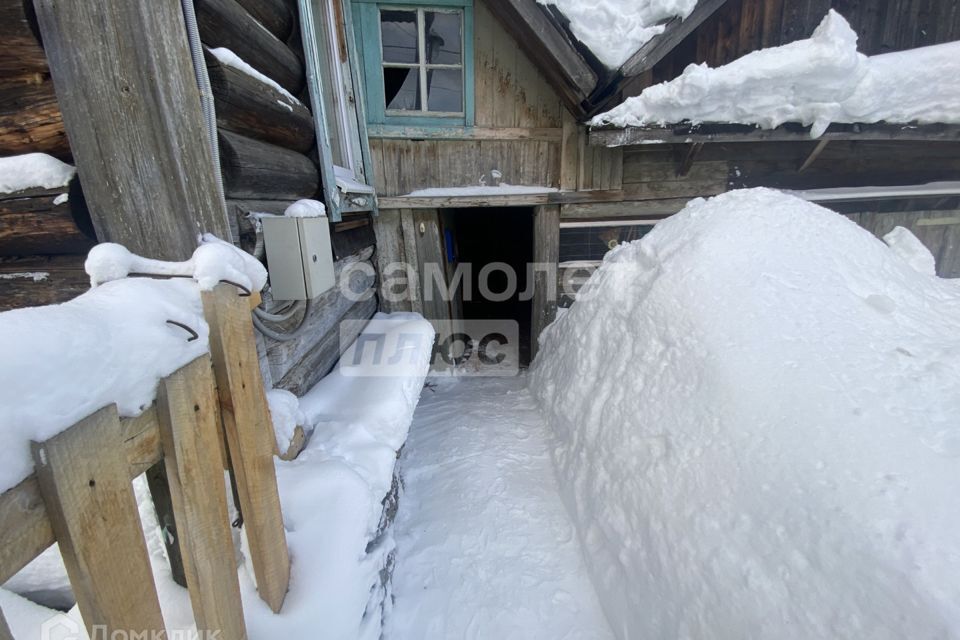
209, 415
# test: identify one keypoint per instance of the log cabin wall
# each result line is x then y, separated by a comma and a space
268, 160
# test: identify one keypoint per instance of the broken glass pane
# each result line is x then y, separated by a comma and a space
443, 41
401, 88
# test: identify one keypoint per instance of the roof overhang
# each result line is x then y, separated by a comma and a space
715, 132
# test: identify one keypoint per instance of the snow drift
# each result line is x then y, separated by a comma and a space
815, 82
757, 420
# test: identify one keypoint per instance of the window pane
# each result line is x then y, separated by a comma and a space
398, 33
443, 41
401, 88
445, 90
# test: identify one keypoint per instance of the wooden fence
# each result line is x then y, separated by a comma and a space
209, 416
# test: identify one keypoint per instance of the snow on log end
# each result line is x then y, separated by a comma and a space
756, 411
816, 81
33, 171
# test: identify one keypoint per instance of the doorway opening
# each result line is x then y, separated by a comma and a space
481, 237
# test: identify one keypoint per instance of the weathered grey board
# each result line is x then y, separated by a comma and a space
390, 251
132, 111
254, 169
546, 250
938, 230
246, 106
225, 23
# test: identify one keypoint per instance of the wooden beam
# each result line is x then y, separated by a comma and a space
546, 251
403, 132
187, 407
549, 47
44, 222
131, 108
689, 157
30, 119
674, 32
25, 530
814, 154
21, 52
707, 133
627, 209
93, 512
250, 438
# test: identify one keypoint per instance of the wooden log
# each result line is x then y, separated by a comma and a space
254, 169
323, 357
251, 108
21, 52
43, 223
131, 106
250, 439
546, 250
276, 15
35, 281
93, 511
187, 408
225, 23
355, 280
30, 118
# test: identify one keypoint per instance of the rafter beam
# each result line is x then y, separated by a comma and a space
674, 32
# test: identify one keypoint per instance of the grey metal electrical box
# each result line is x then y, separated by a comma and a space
299, 256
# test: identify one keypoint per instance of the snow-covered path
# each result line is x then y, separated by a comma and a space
485, 549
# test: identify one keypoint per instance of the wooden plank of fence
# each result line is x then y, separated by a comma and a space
187, 408
250, 438
89, 500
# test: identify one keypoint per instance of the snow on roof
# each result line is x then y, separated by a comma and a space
32, 171
756, 410
814, 82
615, 29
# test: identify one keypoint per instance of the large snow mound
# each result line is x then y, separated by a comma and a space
815, 82
615, 29
757, 419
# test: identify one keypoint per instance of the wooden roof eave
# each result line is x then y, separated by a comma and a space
551, 48
717, 132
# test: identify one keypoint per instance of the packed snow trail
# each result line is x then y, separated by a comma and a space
485, 548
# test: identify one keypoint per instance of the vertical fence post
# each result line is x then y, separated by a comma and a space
93, 511
250, 438
186, 406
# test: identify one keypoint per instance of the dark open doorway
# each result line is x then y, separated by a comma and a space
481, 236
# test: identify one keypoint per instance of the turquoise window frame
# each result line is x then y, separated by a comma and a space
366, 20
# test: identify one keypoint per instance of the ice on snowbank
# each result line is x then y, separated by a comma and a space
214, 261
815, 82
615, 29
112, 344
757, 414
33, 171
